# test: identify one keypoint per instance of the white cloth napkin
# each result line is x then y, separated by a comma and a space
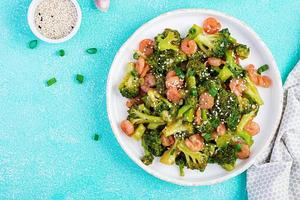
276, 174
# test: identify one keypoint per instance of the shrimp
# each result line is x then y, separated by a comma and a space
170, 74
215, 62
146, 47
237, 86
211, 25
206, 101
221, 129
252, 128
188, 46
194, 142
134, 101
127, 127
174, 82
149, 82
198, 116
139, 65
245, 152
173, 95
263, 81
167, 141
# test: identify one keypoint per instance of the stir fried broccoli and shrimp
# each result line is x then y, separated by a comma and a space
190, 101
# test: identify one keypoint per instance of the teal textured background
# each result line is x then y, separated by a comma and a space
46, 146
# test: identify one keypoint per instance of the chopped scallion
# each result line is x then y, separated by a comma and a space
61, 53
33, 44
51, 81
262, 69
80, 78
92, 50
96, 137
179, 73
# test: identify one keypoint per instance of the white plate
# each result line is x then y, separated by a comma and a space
268, 116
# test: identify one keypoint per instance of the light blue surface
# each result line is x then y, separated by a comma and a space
46, 150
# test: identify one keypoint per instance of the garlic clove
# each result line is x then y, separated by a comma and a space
102, 5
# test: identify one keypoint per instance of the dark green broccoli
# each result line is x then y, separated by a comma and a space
213, 44
181, 162
235, 68
178, 126
156, 102
130, 84
163, 61
226, 157
231, 41
242, 51
198, 69
194, 160
153, 143
137, 116
208, 125
169, 39
148, 158
169, 156
226, 108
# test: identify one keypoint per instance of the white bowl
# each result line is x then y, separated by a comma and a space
268, 116
36, 32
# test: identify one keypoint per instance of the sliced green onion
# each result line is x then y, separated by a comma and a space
80, 78
96, 137
238, 147
262, 68
179, 73
194, 92
61, 53
92, 50
33, 44
51, 81
136, 55
213, 91
207, 137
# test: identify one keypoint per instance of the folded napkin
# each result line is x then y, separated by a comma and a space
276, 173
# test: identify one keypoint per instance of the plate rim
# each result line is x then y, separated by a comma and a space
231, 174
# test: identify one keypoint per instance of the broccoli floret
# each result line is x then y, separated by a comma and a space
136, 116
194, 160
148, 158
181, 162
225, 73
226, 157
194, 31
130, 84
208, 126
198, 69
213, 86
252, 92
187, 111
163, 61
226, 108
235, 68
245, 119
169, 156
152, 141
242, 51
213, 44
139, 132
246, 105
231, 41
156, 102
178, 126
169, 39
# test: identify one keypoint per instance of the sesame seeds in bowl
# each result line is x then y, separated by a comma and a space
54, 21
